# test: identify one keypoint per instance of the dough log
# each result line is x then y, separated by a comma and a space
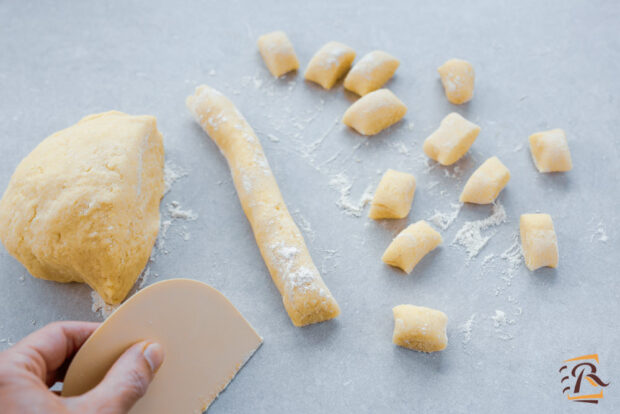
306, 297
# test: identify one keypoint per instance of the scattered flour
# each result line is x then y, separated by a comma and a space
172, 174
600, 233
304, 225
470, 235
176, 212
341, 183
444, 220
499, 319
99, 306
467, 327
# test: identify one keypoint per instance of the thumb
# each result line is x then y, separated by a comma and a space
126, 382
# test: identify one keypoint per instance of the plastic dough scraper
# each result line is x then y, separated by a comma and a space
205, 339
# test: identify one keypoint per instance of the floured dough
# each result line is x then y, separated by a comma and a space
306, 297
205, 340
457, 77
278, 53
374, 112
451, 140
83, 206
329, 64
411, 245
486, 182
371, 72
550, 151
420, 328
538, 240
394, 196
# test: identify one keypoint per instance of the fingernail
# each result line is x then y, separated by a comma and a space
154, 355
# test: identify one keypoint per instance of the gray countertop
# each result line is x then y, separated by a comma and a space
539, 65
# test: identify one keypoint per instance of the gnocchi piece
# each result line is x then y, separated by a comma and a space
457, 77
538, 240
451, 140
278, 53
394, 196
411, 245
371, 72
329, 64
486, 182
550, 151
420, 328
374, 112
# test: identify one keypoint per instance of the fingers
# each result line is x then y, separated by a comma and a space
128, 379
45, 350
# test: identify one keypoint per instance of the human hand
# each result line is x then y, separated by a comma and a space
35, 363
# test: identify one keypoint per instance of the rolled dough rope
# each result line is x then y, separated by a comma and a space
306, 297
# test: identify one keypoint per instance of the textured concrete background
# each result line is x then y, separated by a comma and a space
539, 65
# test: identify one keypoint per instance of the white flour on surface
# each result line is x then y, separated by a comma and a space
304, 225
444, 220
99, 306
467, 327
342, 184
600, 233
172, 174
470, 234
176, 212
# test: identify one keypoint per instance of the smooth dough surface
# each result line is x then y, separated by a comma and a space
550, 151
538, 240
457, 77
394, 196
306, 297
329, 64
205, 339
371, 72
278, 53
83, 206
451, 140
486, 182
411, 245
374, 112
420, 328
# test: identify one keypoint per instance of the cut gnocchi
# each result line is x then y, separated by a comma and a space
371, 72
394, 196
329, 64
420, 328
451, 140
457, 77
486, 182
550, 151
374, 112
278, 53
538, 240
411, 245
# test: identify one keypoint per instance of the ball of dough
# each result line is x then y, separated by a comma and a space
83, 206
420, 328
457, 77
393, 197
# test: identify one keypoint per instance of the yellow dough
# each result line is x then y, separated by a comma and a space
329, 64
278, 53
374, 112
538, 240
451, 140
419, 328
306, 298
83, 206
205, 339
457, 77
486, 182
394, 196
371, 72
411, 245
550, 151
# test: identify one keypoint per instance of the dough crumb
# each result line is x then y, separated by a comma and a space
470, 234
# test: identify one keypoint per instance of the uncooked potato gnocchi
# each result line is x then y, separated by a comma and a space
457, 77
374, 112
486, 182
411, 245
451, 140
278, 53
371, 72
329, 64
394, 196
538, 240
420, 328
550, 151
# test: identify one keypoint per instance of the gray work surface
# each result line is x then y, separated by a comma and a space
539, 65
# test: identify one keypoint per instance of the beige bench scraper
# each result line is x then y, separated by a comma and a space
205, 339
